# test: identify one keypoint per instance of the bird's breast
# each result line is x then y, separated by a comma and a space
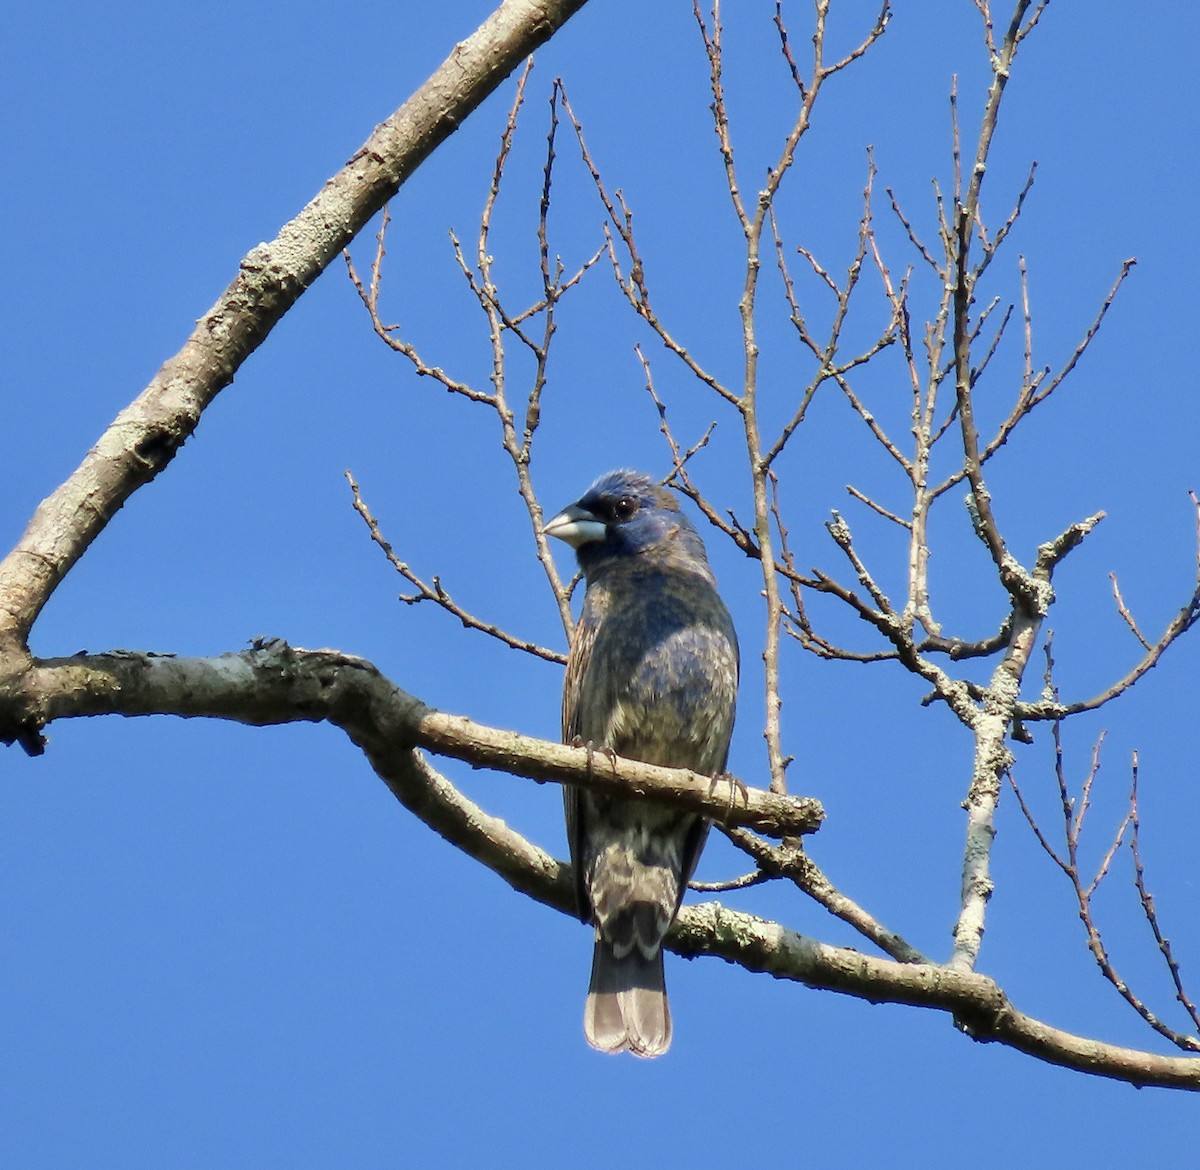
662, 684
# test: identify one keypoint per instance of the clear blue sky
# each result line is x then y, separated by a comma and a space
229, 947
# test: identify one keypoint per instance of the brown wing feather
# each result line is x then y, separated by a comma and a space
577, 664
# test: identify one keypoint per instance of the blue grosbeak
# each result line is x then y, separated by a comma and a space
652, 675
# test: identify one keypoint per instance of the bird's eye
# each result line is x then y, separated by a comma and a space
625, 507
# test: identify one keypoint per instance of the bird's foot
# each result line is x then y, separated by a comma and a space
735, 786
579, 742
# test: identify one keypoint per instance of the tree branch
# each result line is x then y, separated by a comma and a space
145, 436
272, 683
978, 1005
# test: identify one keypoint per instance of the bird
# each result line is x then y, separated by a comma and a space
652, 675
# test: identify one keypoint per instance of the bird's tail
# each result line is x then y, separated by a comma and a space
627, 1003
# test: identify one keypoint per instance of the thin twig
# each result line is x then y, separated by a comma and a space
436, 593
743, 882
1074, 814
1051, 709
1147, 902
791, 862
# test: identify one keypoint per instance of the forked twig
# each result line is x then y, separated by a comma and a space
1074, 816
434, 591
1147, 901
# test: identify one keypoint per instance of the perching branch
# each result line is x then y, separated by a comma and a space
272, 683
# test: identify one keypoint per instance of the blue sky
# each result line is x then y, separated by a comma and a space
225, 946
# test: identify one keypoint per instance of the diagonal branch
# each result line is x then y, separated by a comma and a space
145, 436
1147, 901
791, 862
436, 593
976, 1002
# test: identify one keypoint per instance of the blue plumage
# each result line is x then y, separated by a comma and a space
652, 675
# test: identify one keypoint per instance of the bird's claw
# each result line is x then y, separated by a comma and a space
579, 742
735, 786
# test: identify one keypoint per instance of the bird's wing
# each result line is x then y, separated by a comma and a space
577, 665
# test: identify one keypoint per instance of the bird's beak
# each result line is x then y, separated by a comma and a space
575, 525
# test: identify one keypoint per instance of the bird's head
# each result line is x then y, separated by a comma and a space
626, 514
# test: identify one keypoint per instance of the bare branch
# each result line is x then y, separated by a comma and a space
1051, 708
275, 683
825, 353
1147, 901
743, 882
516, 440
635, 288
840, 531
712, 48
1074, 814
1126, 616
1093, 329
977, 1004
992, 248
791, 862
435, 593
389, 333
1036, 389
913, 238
145, 436
879, 508
796, 622
1032, 595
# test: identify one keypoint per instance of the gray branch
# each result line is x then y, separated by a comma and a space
271, 277
273, 683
